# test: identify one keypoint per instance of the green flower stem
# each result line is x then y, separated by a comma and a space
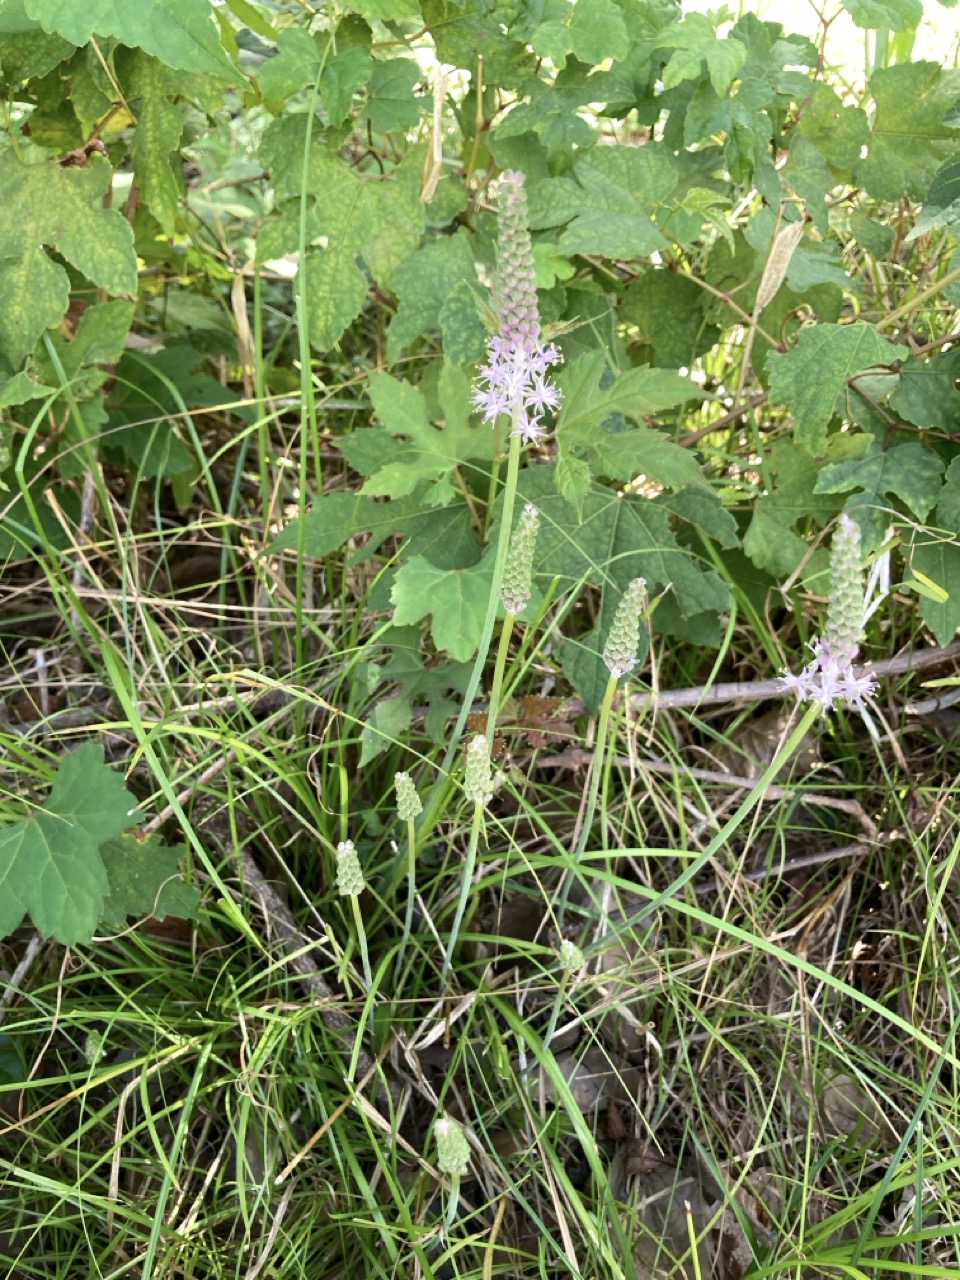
435, 802
499, 667
550, 1032
596, 771
362, 938
411, 888
453, 1200
465, 885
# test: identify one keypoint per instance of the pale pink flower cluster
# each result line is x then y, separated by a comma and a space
514, 379
831, 677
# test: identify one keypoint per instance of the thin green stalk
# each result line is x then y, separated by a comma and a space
506, 525
411, 889
465, 886
362, 939
596, 771
503, 648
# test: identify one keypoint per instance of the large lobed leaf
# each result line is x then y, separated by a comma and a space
50, 864
180, 33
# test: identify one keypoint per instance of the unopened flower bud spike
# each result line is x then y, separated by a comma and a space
350, 885
453, 1159
515, 591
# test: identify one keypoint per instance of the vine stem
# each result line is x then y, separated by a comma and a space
922, 297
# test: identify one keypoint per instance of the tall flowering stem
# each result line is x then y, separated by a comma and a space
513, 383
409, 808
478, 786
620, 656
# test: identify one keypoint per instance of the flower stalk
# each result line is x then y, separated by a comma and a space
409, 808
478, 786
513, 383
620, 656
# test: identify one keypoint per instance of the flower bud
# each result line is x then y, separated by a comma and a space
518, 570
349, 875
623, 642
409, 805
453, 1150
570, 957
478, 781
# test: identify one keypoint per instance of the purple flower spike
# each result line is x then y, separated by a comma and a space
514, 378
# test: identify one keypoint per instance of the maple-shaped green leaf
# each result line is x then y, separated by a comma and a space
391, 105
61, 208
889, 15
27, 52
696, 42
668, 311
927, 394
574, 479
942, 205
414, 683
772, 541
465, 335
423, 283
703, 509
609, 201
180, 33
552, 111
907, 473
22, 387
592, 30
432, 453
442, 535
459, 30
342, 76
145, 880
637, 394
813, 377
50, 864
808, 173
34, 295
97, 344
455, 599
397, 219
628, 455
296, 63
838, 131
911, 134
335, 290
